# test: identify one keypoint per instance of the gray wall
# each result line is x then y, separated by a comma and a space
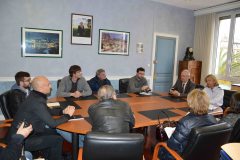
139, 17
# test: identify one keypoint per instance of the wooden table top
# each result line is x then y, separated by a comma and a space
145, 109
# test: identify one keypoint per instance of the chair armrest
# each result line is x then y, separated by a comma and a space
80, 153
225, 112
3, 145
5, 125
164, 144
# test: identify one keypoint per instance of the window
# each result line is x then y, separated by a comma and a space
226, 58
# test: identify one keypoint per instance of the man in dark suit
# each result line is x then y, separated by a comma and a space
35, 111
81, 30
183, 86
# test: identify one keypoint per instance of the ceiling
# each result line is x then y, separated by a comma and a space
194, 4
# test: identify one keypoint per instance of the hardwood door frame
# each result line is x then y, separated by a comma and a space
175, 75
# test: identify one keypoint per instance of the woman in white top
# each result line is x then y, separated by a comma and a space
215, 92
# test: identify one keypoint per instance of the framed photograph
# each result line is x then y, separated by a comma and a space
81, 29
38, 42
113, 42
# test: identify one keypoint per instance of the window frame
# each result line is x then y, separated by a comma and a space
227, 76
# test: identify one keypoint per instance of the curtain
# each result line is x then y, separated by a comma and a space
203, 42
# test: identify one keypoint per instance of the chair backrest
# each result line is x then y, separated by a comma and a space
109, 146
123, 85
58, 82
235, 136
227, 97
205, 142
5, 105
199, 86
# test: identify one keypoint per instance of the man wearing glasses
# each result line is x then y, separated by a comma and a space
20, 90
138, 82
183, 86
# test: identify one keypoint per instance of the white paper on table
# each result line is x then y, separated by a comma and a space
145, 93
212, 107
169, 131
55, 104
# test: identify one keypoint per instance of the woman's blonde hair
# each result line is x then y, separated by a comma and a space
198, 102
211, 76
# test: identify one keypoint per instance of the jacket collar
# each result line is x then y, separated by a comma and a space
40, 94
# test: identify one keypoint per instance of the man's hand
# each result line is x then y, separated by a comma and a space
176, 93
76, 94
171, 90
24, 131
144, 87
69, 110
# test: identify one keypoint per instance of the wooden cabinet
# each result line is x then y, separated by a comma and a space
194, 68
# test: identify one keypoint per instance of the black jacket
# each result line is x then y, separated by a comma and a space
179, 138
34, 110
13, 149
111, 116
15, 99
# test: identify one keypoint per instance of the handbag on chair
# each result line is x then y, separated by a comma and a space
161, 134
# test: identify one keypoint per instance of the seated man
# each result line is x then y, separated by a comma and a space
110, 114
183, 86
35, 111
99, 80
13, 149
138, 82
20, 90
74, 85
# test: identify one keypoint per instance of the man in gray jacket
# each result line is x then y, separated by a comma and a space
74, 85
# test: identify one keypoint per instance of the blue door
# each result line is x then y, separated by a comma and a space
164, 64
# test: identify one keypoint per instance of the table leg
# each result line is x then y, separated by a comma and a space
75, 145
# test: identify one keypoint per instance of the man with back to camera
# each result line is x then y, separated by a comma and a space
99, 80
74, 85
111, 115
35, 111
138, 82
19, 91
183, 86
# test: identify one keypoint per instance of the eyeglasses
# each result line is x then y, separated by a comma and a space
27, 80
141, 74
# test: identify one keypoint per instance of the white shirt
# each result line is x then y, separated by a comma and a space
216, 97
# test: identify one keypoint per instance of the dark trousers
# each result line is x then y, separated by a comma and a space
49, 142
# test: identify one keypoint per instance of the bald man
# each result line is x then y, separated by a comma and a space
35, 111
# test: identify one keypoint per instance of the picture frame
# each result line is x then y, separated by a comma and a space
81, 29
113, 42
139, 47
37, 42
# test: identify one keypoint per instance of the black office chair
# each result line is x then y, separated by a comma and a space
199, 86
109, 146
227, 97
235, 135
203, 143
123, 85
5, 105
58, 82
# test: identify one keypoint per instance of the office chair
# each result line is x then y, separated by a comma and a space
123, 85
58, 82
203, 143
109, 146
5, 105
199, 86
227, 97
235, 135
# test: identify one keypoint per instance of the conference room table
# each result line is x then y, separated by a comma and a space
145, 108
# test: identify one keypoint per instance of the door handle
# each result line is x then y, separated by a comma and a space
154, 61
155, 74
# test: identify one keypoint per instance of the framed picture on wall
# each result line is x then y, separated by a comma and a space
38, 42
113, 42
81, 29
